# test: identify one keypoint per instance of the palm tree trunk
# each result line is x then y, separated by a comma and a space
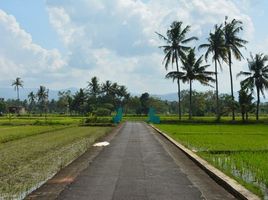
232, 87
18, 94
258, 104
190, 105
217, 92
179, 90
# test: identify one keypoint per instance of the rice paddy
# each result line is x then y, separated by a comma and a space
30, 155
241, 151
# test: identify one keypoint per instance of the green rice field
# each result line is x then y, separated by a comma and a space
241, 151
29, 155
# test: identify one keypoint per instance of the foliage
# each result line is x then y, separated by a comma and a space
102, 112
79, 102
64, 102
232, 44
256, 77
245, 102
144, 100
175, 49
192, 70
216, 47
42, 96
2, 106
17, 83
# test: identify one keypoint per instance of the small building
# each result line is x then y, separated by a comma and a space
17, 110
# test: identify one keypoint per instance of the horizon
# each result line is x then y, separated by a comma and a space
171, 96
64, 52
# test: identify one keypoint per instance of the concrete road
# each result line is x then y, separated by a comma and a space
139, 164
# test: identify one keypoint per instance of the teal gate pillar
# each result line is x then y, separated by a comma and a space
118, 117
152, 117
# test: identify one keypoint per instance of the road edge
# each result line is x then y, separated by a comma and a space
52, 188
222, 179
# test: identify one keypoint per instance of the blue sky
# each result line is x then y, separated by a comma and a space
33, 18
63, 43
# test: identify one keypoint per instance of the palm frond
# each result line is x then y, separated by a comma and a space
189, 40
243, 74
174, 75
162, 37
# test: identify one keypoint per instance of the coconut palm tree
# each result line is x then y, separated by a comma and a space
256, 77
232, 43
216, 47
94, 87
42, 95
245, 103
192, 70
79, 102
175, 48
31, 99
106, 87
17, 83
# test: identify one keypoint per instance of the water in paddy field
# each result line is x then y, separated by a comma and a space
244, 174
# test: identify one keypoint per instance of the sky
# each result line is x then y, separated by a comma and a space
63, 44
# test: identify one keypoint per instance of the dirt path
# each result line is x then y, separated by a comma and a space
139, 164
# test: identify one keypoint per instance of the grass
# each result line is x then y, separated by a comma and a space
174, 119
241, 151
10, 133
38, 120
29, 161
52, 120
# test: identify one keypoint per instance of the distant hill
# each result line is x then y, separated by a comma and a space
168, 97
10, 93
174, 97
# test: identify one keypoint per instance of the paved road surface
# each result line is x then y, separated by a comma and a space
140, 165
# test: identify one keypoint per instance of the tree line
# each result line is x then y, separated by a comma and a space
96, 98
100, 100
223, 46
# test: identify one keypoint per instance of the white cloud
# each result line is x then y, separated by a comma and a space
20, 56
116, 39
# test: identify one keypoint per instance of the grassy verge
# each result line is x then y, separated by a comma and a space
241, 151
21, 120
10, 133
27, 162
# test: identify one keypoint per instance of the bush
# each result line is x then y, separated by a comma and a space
95, 119
102, 112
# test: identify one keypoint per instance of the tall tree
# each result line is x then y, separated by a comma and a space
192, 70
245, 103
31, 99
216, 47
65, 100
42, 95
94, 87
122, 95
17, 83
79, 102
233, 43
256, 77
175, 49
106, 88
144, 100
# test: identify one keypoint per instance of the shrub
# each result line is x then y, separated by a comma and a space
102, 112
